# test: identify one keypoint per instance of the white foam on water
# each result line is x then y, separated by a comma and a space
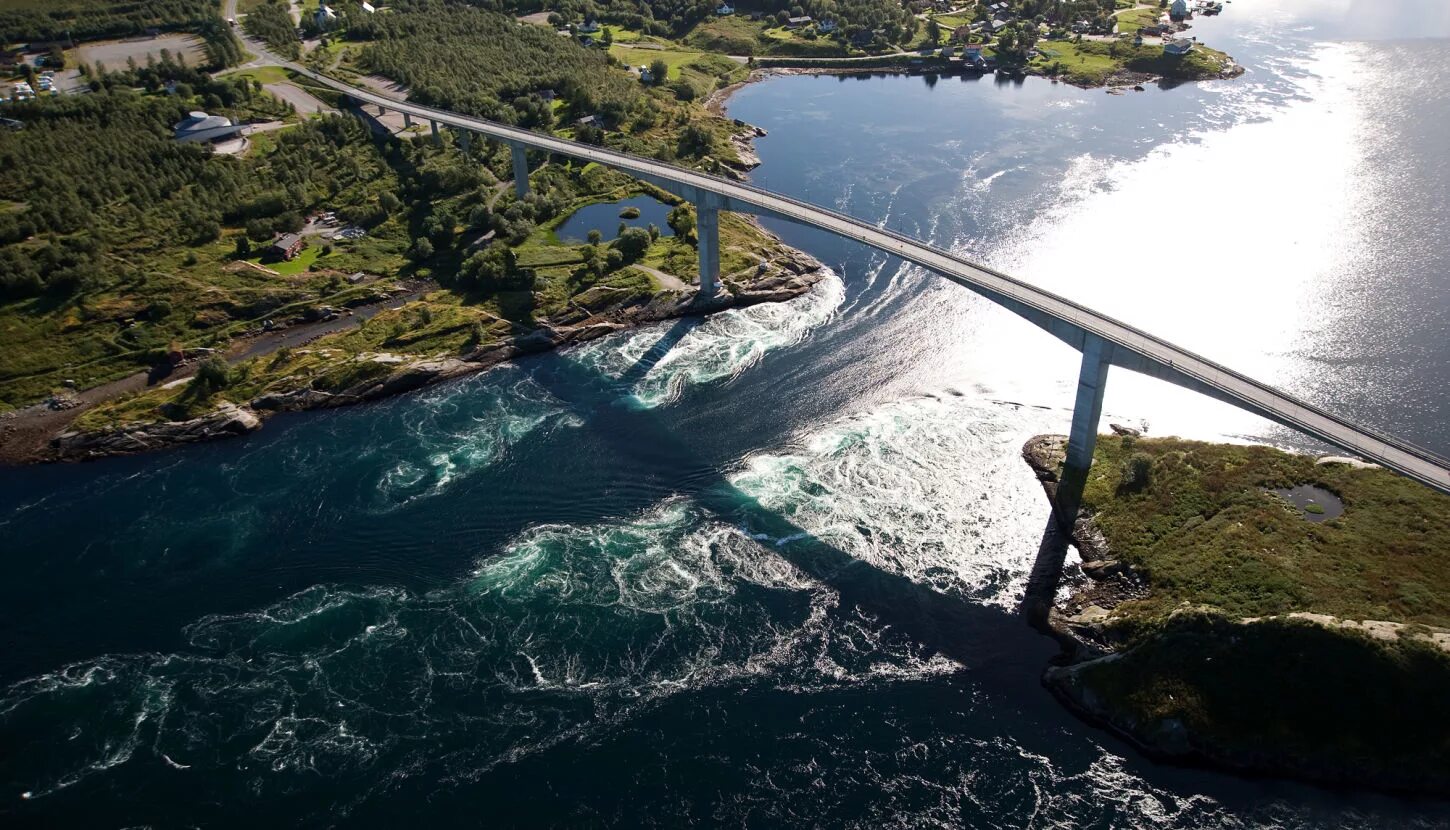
722, 346
460, 429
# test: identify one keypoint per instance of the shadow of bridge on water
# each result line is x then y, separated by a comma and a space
971, 633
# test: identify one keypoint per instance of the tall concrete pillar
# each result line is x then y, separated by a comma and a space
407, 120
1092, 381
433, 125
521, 169
707, 230
464, 139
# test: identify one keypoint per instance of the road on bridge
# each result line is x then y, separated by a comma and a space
1076, 324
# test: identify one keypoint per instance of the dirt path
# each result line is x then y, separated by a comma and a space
667, 281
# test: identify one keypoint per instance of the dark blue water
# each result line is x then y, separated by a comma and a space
760, 569
604, 217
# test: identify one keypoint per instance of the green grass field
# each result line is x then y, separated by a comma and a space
1205, 531
1131, 21
673, 58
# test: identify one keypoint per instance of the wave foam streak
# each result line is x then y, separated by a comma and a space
719, 347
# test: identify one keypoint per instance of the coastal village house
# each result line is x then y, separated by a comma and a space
725, 10
1177, 47
1178, 10
286, 246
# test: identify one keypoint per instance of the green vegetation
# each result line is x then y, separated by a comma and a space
41, 20
1129, 22
1091, 63
128, 239
1319, 702
272, 24
486, 64
1212, 645
1205, 530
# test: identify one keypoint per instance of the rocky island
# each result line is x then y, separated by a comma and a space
1258, 610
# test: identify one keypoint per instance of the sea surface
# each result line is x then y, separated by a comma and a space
760, 569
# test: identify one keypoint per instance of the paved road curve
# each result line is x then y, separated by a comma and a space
1131, 348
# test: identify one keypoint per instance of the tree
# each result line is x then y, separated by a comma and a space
933, 31
213, 375
388, 202
595, 237
421, 250
490, 268
1137, 471
682, 221
632, 243
659, 71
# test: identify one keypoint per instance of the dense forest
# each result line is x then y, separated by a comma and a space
486, 64
32, 20
271, 23
122, 183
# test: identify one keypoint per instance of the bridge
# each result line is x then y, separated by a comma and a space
1103, 341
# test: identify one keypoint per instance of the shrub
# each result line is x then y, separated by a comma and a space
632, 243
1137, 471
212, 375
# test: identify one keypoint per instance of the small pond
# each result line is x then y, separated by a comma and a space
604, 217
1315, 503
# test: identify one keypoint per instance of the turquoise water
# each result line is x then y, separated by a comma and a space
760, 569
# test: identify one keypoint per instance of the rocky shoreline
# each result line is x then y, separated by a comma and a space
588, 319
1078, 623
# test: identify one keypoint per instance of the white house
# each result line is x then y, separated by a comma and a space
325, 17
825, 27
645, 75
1178, 10
725, 10
368, 7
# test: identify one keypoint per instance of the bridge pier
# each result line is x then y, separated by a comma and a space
465, 140
521, 169
1092, 381
707, 231
433, 125
407, 121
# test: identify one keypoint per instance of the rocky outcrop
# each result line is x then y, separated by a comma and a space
226, 420
409, 376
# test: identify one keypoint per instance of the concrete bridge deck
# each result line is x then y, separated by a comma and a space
1103, 341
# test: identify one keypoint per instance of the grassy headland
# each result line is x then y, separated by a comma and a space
1261, 635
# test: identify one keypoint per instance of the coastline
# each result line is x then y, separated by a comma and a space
788, 278
1120, 81
1100, 647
